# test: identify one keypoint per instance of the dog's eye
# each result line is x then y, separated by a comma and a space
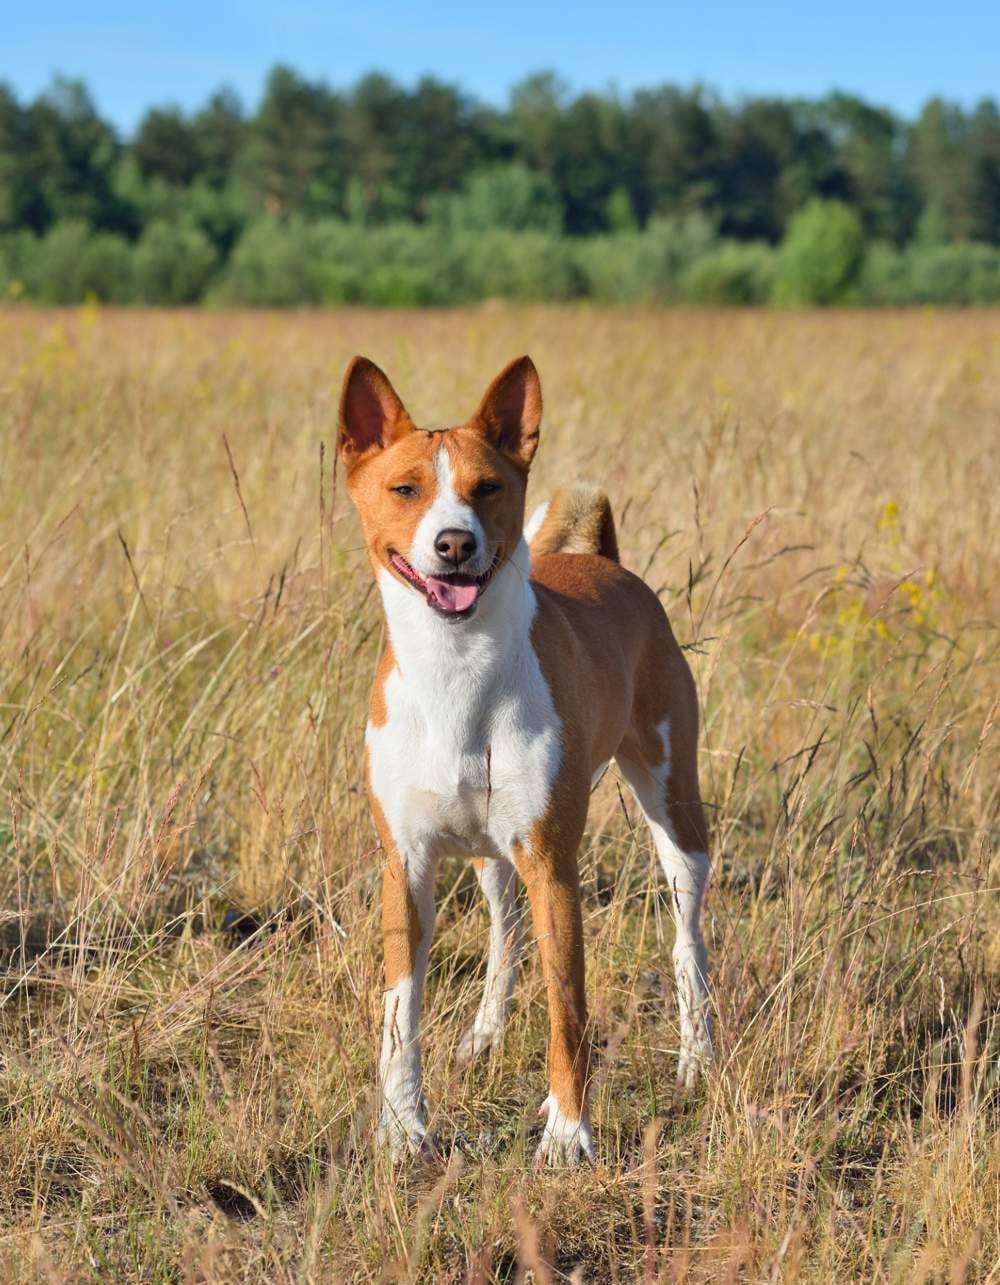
486, 487
406, 491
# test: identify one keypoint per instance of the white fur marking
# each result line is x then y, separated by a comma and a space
468, 754
534, 524
403, 1124
446, 512
662, 773
598, 774
498, 880
564, 1140
686, 874
464, 763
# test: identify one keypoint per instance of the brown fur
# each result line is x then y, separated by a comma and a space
485, 448
497, 444
603, 641
401, 930
615, 672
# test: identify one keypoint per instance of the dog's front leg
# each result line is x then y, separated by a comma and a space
407, 929
550, 874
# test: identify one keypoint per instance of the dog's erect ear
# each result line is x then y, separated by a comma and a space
511, 411
371, 414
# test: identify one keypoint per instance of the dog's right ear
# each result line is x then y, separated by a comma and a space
371, 415
511, 411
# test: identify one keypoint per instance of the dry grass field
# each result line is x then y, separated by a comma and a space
191, 977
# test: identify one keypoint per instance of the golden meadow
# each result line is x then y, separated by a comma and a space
191, 974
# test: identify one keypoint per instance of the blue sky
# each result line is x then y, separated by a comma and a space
894, 52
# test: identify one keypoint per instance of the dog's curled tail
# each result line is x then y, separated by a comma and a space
577, 519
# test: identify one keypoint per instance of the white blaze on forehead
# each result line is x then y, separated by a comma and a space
446, 512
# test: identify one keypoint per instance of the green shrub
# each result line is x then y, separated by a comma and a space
52, 272
339, 264
404, 264
514, 265
885, 275
172, 263
72, 262
271, 267
332, 262
821, 256
106, 270
611, 268
512, 197
736, 273
631, 267
17, 254
966, 273
669, 247
619, 213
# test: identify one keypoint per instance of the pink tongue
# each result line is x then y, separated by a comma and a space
452, 597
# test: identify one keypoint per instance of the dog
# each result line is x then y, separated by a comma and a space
518, 662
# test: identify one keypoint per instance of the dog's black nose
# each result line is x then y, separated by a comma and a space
455, 546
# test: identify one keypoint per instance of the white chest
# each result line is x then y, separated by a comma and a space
465, 763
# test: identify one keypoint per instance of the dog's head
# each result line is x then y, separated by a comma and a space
442, 511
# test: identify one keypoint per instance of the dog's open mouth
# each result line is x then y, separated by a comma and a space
454, 594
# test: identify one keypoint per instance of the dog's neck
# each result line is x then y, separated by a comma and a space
453, 660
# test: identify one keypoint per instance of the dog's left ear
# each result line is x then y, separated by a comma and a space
511, 411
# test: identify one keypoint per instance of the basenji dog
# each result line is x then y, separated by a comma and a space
517, 664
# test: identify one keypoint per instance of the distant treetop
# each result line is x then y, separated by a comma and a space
381, 152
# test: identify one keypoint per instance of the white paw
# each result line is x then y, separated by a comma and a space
404, 1132
474, 1044
565, 1141
695, 1058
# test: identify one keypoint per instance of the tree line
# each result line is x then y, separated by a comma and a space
390, 194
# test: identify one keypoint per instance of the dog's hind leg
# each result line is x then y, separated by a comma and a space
665, 785
498, 880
